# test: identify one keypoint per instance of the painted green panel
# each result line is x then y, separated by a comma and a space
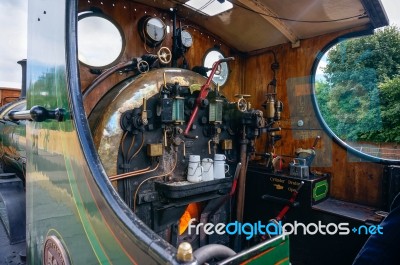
277, 253
320, 190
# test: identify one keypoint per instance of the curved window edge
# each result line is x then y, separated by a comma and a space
161, 249
314, 100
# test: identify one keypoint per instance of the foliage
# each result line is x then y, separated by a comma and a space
359, 99
390, 109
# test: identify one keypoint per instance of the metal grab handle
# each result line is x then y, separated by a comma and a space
279, 200
38, 114
203, 94
300, 161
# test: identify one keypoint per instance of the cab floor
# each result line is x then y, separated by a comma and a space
11, 254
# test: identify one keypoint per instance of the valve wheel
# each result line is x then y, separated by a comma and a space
242, 104
164, 55
143, 66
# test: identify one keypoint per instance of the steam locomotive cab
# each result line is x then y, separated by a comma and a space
156, 168
152, 133
171, 142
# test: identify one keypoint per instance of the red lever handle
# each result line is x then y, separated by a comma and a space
203, 94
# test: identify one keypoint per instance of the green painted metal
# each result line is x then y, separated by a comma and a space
63, 197
277, 253
320, 190
59, 195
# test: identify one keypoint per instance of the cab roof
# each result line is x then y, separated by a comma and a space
256, 24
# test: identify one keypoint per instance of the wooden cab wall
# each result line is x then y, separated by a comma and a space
351, 179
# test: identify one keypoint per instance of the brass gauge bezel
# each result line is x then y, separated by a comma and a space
152, 30
186, 39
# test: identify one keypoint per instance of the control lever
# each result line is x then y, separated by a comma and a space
144, 112
315, 142
291, 202
231, 193
235, 178
203, 95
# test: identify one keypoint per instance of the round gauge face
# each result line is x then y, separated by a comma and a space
155, 29
186, 39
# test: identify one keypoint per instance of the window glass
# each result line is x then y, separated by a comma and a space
100, 41
13, 45
221, 76
357, 92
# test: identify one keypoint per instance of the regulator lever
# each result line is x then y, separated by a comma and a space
203, 95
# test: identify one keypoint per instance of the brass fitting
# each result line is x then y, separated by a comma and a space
185, 252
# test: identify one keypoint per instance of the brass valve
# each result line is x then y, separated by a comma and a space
145, 121
242, 103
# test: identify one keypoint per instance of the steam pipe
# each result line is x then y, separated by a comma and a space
211, 251
129, 174
104, 75
174, 40
242, 177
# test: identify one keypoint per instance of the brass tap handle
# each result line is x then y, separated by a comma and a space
165, 138
145, 121
242, 96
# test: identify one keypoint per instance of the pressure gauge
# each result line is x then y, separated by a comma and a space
186, 39
152, 30
155, 29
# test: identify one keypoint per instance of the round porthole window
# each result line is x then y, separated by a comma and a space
100, 40
221, 75
356, 92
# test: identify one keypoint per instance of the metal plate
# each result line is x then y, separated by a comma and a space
54, 252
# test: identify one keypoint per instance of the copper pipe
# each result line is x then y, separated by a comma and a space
128, 174
133, 173
140, 148
162, 175
131, 145
122, 145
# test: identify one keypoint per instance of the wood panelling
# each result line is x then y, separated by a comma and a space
351, 180
8, 95
127, 14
